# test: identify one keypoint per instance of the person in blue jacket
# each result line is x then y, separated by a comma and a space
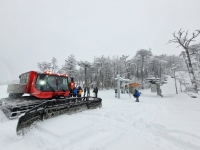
136, 95
75, 92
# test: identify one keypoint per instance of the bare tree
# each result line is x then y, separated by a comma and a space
86, 65
182, 39
49, 66
54, 64
44, 66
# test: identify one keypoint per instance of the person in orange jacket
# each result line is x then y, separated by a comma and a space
79, 91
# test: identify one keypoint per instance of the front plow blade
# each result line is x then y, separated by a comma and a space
53, 108
26, 121
29, 118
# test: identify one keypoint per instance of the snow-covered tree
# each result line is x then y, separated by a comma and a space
143, 56
70, 66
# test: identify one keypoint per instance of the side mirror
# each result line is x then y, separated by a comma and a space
19, 76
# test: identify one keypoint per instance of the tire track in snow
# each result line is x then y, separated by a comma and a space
71, 139
156, 130
114, 132
114, 121
160, 131
108, 142
61, 142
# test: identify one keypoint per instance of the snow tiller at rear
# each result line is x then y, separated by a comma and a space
40, 96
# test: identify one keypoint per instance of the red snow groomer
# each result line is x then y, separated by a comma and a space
39, 96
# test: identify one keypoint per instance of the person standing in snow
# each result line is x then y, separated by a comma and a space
115, 92
136, 95
75, 92
95, 91
71, 86
79, 91
84, 90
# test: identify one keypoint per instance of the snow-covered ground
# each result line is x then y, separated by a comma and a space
155, 123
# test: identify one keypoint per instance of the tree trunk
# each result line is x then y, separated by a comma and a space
160, 73
180, 86
142, 74
191, 72
137, 74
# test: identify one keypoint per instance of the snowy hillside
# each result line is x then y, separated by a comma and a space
155, 123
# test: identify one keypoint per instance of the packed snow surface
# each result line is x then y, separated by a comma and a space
155, 123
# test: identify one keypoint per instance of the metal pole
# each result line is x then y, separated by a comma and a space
85, 77
175, 82
118, 86
160, 73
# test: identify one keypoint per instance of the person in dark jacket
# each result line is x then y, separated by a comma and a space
136, 95
84, 90
95, 91
115, 92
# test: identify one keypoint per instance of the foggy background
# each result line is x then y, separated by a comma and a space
35, 31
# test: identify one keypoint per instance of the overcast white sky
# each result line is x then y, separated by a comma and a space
33, 31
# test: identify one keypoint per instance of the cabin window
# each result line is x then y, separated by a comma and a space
51, 83
24, 78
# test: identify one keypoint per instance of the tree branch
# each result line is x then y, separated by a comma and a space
193, 36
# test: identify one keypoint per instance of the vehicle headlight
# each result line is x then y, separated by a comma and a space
42, 82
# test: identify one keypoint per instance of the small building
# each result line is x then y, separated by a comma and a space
132, 87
